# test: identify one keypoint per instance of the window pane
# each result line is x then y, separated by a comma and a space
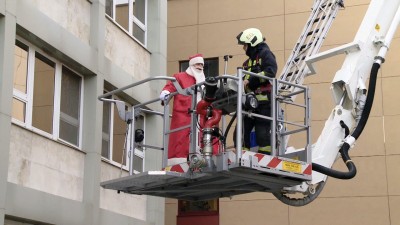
139, 10
122, 15
43, 94
139, 124
211, 67
109, 8
69, 132
138, 156
70, 106
105, 148
18, 110
137, 163
20, 67
138, 33
70, 93
119, 130
183, 65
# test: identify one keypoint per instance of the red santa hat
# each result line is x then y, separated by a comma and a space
198, 58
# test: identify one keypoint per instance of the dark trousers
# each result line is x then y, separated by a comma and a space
262, 127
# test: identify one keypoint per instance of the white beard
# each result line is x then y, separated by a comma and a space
198, 76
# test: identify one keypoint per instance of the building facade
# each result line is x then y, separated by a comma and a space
373, 197
58, 141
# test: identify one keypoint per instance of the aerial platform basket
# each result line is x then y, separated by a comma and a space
227, 173
255, 173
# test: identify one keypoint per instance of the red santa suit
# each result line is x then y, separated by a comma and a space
178, 145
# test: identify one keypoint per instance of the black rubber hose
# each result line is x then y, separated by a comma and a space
370, 100
344, 150
346, 128
229, 127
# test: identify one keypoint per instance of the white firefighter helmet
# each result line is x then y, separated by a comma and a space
252, 36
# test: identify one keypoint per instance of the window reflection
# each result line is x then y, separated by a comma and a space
70, 106
139, 10
119, 130
20, 78
18, 110
105, 147
122, 15
43, 94
20, 67
139, 149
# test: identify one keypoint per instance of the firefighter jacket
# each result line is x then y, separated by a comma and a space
261, 61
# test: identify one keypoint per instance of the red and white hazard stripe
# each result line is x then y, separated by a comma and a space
263, 161
279, 163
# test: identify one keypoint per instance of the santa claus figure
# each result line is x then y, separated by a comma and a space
178, 145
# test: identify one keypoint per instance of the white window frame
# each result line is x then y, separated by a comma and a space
130, 135
28, 97
132, 19
111, 139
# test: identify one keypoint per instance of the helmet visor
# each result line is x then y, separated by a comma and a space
240, 42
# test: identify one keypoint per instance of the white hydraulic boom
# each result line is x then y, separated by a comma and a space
352, 97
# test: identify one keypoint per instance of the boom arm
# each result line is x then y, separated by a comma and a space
364, 56
363, 59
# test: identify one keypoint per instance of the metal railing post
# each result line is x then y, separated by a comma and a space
239, 117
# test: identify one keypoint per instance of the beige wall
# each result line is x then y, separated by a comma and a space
373, 196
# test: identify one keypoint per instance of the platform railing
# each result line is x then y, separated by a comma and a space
278, 140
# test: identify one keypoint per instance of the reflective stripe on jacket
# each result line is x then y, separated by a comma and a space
265, 87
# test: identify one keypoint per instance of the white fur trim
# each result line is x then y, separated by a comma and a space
174, 161
196, 60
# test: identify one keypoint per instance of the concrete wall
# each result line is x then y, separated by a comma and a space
41, 164
45, 180
73, 16
373, 196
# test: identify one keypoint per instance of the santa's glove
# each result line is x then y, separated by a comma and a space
254, 83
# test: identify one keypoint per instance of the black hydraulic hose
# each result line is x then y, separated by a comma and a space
346, 128
344, 151
370, 99
229, 127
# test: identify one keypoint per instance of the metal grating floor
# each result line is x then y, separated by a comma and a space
203, 186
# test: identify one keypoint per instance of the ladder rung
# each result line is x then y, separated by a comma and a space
319, 18
302, 47
298, 58
311, 32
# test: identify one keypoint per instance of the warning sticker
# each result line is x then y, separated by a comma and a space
291, 167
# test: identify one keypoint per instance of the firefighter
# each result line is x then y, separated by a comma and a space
261, 61
178, 145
